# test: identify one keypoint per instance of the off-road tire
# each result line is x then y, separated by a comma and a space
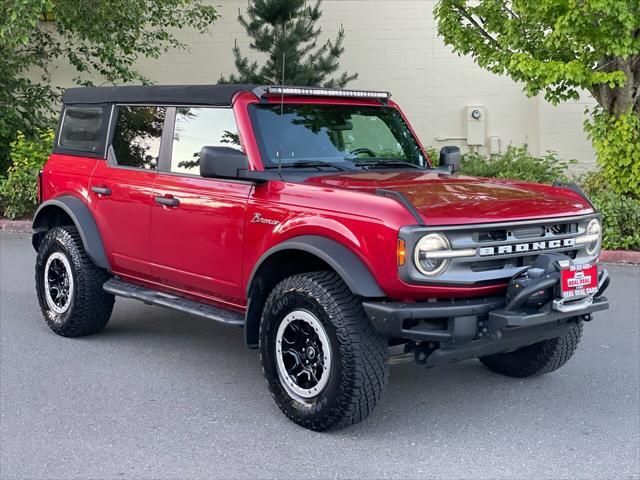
90, 306
536, 359
359, 355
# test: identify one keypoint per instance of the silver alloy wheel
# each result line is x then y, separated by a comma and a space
58, 283
303, 355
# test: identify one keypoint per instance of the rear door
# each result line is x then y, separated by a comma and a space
121, 189
197, 224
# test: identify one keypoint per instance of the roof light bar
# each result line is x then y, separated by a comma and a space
321, 92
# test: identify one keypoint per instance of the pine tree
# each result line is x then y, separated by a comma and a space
287, 29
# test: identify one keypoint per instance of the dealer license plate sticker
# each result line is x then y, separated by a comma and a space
579, 280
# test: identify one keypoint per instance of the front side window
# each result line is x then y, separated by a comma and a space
359, 136
200, 127
136, 138
81, 129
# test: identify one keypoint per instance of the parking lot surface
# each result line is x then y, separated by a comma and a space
161, 394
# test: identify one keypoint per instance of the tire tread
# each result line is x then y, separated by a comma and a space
92, 306
537, 359
364, 352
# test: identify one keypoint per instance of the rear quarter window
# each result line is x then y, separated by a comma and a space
82, 129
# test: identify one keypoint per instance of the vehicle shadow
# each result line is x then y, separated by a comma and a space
416, 398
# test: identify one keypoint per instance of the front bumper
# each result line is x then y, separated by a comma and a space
460, 329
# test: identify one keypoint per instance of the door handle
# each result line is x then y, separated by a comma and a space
101, 190
167, 201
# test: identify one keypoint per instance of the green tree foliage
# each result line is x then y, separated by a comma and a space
100, 39
617, 141
18, 190
559, 48
287, 28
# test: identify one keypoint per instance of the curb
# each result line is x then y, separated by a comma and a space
620, 256
15, 226
607, 256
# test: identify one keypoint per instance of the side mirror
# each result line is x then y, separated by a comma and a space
450, 158
222, 162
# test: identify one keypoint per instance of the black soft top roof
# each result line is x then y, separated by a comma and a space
164, 94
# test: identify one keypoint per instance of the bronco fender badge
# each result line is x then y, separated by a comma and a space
258, 218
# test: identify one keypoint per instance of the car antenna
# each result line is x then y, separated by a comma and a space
281, 115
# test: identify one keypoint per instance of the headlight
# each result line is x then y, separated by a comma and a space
432, 254
592, 238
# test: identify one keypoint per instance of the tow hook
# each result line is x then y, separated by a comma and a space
586, 317
418, 353
423, 350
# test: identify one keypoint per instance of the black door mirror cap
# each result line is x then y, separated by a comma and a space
222, 162
450, 158
448, 169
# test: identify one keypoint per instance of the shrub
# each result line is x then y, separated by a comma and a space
517, 163
621, 213
18, 190
433, 154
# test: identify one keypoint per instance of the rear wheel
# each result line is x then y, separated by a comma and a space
325, 365
536, 359
69, 285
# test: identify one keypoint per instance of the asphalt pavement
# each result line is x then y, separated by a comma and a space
161, 394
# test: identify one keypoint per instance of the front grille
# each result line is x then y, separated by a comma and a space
526, 233
515, 246
492, 236
501, 250
499, 264
514, 262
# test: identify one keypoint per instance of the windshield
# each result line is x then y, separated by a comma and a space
347, 135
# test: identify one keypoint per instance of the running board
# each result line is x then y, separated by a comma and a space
121, 288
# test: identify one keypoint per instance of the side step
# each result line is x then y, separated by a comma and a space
121, 288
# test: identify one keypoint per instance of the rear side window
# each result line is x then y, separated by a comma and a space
197, 127
136, 138
82, 129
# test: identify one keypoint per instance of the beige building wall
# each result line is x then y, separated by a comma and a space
394, 46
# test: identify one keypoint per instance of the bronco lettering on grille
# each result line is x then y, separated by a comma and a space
527, 247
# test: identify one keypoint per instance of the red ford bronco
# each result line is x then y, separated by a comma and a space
314, 219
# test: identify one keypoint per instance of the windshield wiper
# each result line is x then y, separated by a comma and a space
385, 162
310, 164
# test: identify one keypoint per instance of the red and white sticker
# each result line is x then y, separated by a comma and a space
579, 280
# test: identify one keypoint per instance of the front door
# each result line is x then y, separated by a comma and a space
197, 224
121, 189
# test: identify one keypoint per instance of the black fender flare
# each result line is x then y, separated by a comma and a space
345, 263
82, 218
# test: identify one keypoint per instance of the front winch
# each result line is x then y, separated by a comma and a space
546, 266
523, 280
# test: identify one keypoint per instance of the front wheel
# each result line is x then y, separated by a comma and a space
325, 365
537, 359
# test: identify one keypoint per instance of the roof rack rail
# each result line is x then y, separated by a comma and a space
260, 92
